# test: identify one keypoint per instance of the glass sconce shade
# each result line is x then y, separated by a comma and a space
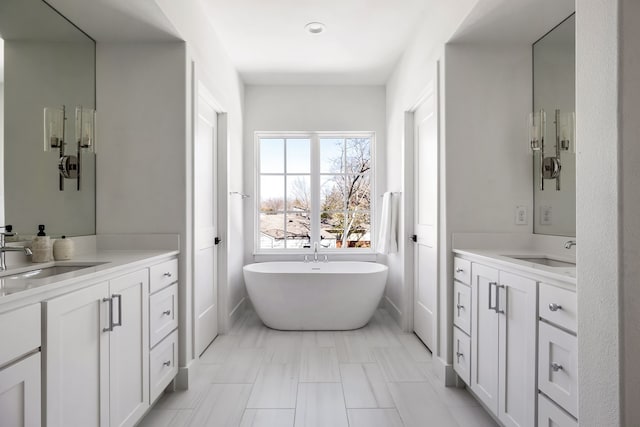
567, 131
53, 128
86, 129
537, 128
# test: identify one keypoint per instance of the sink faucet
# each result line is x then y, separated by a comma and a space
315, 251
4, 249
569, 244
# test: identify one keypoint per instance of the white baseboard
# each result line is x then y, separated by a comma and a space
237, 311
187, 374
445, 372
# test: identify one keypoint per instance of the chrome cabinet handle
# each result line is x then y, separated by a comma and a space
459, 270
110, 301
495, 306
556, 367
498, 287
459, 355
167, 363
119, 310
166, 312
460, 306
167, 274
554, 307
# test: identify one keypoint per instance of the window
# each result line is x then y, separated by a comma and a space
314, 187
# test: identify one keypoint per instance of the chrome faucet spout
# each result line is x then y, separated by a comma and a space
315, 251
569, 244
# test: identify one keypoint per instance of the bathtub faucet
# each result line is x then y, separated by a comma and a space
315, 251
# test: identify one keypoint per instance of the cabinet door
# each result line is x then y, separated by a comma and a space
20, 393
484, 335
129, 349
517, 305
76, 352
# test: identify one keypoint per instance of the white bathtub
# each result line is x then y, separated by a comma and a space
315, 296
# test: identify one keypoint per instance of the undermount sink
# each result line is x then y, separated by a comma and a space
40, 273
543, 260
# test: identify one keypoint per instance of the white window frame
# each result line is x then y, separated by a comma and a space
315, 137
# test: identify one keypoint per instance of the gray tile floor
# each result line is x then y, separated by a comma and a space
374, 376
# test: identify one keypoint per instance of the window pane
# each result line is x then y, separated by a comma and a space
299, 155
358, 155
347, 230
331, 155
271, 155
271, 231
272, 193
298, 193
358, 191
332, 193
298, 230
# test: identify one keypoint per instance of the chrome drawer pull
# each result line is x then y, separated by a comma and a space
556, 367
459, 270
460, 307
167, 363
166, 312
167, 274
554, 307
459, 355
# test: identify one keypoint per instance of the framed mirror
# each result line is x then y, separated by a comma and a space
554, 158
46, 61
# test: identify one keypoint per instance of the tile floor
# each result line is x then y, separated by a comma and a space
376, 376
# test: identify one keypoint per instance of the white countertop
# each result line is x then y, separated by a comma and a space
500, 257
110, 262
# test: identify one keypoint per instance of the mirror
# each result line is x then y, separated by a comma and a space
45, 61
554, 166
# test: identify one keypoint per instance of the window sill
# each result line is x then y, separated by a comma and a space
299, 256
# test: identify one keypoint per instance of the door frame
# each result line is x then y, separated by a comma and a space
432, 88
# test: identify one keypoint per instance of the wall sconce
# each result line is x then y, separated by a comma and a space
551, 166
69, 165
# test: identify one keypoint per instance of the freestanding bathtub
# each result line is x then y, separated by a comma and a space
315, 295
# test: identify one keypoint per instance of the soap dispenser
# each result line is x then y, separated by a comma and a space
63, 249
41, 247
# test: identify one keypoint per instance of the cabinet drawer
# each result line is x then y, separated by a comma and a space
163, 313
19, 332
163, 365
162, 275
559, 306
462, 355
20, 393
551, 415
462, 306
462, 270
557, 366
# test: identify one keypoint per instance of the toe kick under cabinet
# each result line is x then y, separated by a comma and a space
514, 343
100, 348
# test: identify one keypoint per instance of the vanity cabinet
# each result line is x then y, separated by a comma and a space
503, 343
97, 354
557, 356
20, 372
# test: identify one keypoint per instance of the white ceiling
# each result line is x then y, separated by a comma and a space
267, 42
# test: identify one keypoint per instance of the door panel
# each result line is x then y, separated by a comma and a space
484, 339
426, 225
205, 208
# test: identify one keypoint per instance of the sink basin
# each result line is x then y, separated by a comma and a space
40, 273
543, 260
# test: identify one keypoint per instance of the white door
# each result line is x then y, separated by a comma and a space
129, 349
204, 219
484, 335
426, 219
76, 358
517, 311
20, 403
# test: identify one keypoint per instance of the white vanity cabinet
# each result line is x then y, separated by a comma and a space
96, 354
557, 357
503, 343
20, 378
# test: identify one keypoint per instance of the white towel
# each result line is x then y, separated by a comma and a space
388, 236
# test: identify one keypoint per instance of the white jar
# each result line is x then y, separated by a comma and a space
42, 249
63, 249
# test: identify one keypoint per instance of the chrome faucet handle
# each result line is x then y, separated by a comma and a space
326, 259
306, 258
569, 244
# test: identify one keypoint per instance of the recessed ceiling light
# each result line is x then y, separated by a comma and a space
314, 27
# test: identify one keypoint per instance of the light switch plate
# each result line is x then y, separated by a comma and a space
521, 215
545, 215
